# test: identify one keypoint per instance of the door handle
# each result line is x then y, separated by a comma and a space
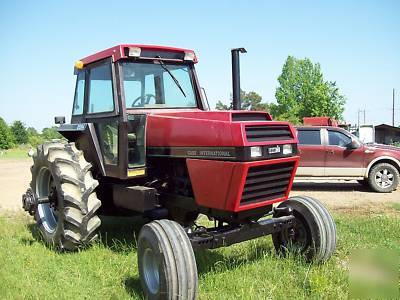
330, 151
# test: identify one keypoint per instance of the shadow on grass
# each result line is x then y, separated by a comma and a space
115, 233
119, 234
36, 235
133, 287
214, 261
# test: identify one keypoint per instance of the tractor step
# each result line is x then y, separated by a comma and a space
227, 235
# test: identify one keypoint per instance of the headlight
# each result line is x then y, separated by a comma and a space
287, 149
255, 151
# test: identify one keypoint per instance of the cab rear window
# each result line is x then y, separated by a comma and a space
309, 137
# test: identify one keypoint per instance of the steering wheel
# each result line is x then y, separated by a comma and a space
146, 97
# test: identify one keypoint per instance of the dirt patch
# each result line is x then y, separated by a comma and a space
347, 196
15, 176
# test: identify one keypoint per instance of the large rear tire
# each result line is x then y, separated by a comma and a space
167, 265
313, 233
61, 174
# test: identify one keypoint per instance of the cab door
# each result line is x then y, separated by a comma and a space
312, 152
102, 109
341, 159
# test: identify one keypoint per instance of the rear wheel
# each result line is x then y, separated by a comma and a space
61, 176
383, 178
167, 265
313, 233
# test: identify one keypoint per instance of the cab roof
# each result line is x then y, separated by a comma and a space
122, 51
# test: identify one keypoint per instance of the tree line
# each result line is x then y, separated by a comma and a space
302, 92
18, 134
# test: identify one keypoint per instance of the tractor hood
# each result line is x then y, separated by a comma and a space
215, 129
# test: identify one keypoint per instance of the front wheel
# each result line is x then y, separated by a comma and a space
313, 233
167, 265
383, 178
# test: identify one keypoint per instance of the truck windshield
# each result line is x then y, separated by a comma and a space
156, 85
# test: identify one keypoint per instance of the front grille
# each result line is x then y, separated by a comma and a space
264, 133
266, 182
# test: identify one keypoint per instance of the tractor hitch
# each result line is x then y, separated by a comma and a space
227, 235
30, 201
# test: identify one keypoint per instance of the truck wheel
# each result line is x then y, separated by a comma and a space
383, 178
61, 174
167, 265
313, 233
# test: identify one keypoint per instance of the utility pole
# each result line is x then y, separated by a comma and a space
393, 110
358, 116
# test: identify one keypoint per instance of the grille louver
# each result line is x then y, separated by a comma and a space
265, 133
267, 182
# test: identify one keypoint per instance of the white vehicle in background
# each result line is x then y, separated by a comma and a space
366, 134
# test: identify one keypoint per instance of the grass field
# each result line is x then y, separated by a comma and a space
15, 153
251, 270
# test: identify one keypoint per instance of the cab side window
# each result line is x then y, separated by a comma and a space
337, 138
309, 137
100, 89
79, 94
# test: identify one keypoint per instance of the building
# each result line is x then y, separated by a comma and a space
386, 134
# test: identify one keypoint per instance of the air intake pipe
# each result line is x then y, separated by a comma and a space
236, 77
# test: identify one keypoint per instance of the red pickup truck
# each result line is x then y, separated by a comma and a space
333, 152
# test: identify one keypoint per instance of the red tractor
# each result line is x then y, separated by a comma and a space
143, 140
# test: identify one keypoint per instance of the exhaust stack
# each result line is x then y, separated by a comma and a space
236, 77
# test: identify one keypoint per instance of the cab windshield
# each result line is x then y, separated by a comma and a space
158, 85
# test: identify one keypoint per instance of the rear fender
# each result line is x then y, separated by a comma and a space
85, 137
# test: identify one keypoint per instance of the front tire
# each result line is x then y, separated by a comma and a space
313, 233
61, 174
167, 265
383, 178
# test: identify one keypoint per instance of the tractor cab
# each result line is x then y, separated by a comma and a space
116, 89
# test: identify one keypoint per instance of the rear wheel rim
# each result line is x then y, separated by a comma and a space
384, 178
151, 270
45, 188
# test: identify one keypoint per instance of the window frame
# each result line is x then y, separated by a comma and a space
76, 91
321, 137
193, 79
103, 114
339, 131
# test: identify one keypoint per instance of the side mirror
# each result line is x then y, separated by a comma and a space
59, 120
354, 144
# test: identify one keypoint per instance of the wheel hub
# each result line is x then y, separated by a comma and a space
47, 209
384, 178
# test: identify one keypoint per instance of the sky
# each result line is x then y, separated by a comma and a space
357, 44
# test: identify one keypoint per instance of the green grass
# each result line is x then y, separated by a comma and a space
250, 270
20, 152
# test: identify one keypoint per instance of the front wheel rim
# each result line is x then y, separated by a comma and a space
151, 270
295, 236
384, 178
46, 211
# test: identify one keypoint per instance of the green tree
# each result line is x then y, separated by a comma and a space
6, 137
34, 138
249, 101
302, 92
19, 132
50, 133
